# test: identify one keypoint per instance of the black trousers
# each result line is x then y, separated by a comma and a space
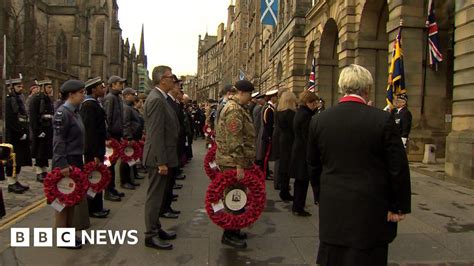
300, 192
42, 163
125, 173
111, 186
9, 170
332, 255
168, 199
96, 204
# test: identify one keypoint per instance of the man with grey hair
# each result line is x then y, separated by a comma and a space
357, 158
159, 155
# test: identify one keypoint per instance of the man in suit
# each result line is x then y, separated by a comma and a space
403, 117
159, 155
357, 158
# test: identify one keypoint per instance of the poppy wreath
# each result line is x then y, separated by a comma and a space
208, 159
137, 151
208, 132
106, 176
115, 145
52, 192
256, 198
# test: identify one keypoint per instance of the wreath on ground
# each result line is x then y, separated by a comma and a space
67, 190
226, 194
210, 166
98, 176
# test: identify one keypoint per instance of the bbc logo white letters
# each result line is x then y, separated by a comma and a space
20, 237
42, 237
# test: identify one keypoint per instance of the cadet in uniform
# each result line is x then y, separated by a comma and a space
17, 131
94, 119
68, 143
41, 121
235, 138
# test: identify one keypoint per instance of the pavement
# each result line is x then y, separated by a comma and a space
440, 231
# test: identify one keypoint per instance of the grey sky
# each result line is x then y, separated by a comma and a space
171, 28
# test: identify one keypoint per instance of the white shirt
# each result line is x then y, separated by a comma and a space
162, 92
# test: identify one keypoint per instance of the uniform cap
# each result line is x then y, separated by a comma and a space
45, 82
244, 85
128, 91
93, 82
403, 97
255, 94
72, 86
16, 81
115, 79
272, 92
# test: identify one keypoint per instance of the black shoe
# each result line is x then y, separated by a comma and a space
117, 193
25, 187
135, 184
175, 196
15, 188
301, 213
181, 177
174, 211
101, 214
239, 234
106, 210
112, 197
175, 199
139, 177
170, 235
127, 186
40, 178
178, 186
157, 243
233, 241
169, 215
286, 196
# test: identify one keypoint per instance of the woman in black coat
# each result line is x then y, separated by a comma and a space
308, 107
286, 111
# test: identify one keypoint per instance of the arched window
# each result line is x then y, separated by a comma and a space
61, 52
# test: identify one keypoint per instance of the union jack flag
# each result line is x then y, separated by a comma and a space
435, 55
312, 76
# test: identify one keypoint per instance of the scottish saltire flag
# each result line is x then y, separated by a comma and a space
435, 55
396, 76
312, 76
269, 15
241, 74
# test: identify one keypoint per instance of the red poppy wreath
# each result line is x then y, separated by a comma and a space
208, 132
113, 151
67, 190
98, 176
210, 166
235, 204
130, 152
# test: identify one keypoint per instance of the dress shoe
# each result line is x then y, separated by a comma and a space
170, 235
175, 196
169, 215
233, 241
157, 243
239, 234
286, 196
181, 177
117, 193
139, 177
178, 186
106, 210
175, 199
15, 188
301, 213
127, 186
39, 178
25, 187
135, 184
174, 211
112, 197
101, 214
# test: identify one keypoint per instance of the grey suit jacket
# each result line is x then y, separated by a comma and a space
162, 128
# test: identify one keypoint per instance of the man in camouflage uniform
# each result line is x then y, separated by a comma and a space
235, 138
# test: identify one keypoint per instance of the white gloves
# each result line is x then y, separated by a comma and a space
42, 135
404, 140
23, 137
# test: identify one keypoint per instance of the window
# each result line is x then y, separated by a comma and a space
61, 52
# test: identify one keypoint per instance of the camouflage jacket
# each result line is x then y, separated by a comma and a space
235, 137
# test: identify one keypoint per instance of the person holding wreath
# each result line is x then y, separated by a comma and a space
68, 143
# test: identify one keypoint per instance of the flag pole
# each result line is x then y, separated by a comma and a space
425, 71
4, 86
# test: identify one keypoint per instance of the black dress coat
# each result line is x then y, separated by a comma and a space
16, 126
94, 120
356, 155
284, 121
403, 120
41, 111
298, 166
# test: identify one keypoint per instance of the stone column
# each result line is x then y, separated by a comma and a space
460, 142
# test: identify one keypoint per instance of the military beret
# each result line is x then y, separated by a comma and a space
44, 82
244, 85
403, 97
128, 91
72, 86
94, 82
115, 79
272, 92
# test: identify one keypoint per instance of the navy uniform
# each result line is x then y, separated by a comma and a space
68, 144
41, 113
268, 119
17, 131
94, 119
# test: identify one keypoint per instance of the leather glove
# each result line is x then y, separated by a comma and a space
23, 137
42, 135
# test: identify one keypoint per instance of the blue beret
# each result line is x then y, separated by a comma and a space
72, 86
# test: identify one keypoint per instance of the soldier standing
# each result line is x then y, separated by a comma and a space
41, 121
268, 114
235, 138
403, 118
17, 130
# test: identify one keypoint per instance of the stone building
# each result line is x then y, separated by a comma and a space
339, 32
210, 70
64, 39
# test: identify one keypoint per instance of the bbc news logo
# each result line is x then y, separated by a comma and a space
66, 237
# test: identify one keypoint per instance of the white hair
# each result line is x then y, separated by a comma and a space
355, 79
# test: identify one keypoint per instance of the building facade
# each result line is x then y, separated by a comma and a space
337, 33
